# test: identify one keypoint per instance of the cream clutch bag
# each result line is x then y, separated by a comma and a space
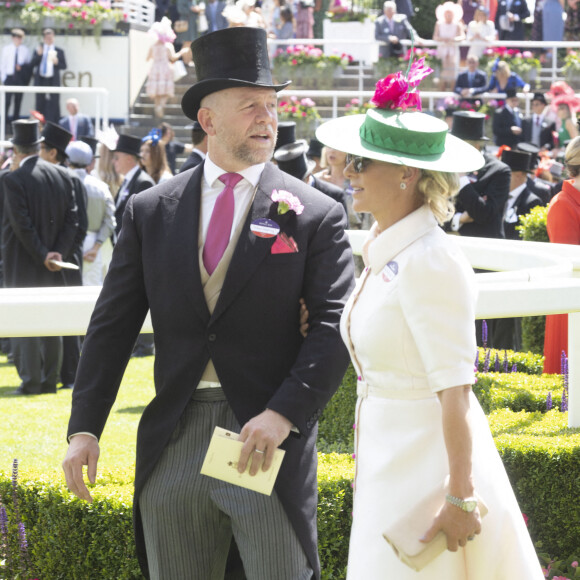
403, 535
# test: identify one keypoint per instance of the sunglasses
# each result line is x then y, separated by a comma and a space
359, 164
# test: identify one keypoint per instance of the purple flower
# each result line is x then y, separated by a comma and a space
3, 522
564, 405
505, 361
549, 401
514, 368
496, 363
484, 333
22, 537
486, 361
476, 360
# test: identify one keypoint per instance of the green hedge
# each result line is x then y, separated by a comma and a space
526, 362
72, 540
518, 391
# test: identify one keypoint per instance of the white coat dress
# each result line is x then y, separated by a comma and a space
409, 327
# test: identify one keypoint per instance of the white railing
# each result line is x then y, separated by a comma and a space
140, 12
101, 102
533, 278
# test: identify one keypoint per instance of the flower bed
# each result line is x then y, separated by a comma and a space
68, 15
303, 112
308, 66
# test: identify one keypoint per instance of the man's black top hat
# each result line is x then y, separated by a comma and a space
129, 144
232, 57
315, 148
26, 133
516, 160
286, 133
511, 93
532, 149
56, 137
291, 159
469, 126
92, 143
540, 97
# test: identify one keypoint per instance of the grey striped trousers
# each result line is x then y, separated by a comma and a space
188, 518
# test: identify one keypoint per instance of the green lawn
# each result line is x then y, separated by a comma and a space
33, 428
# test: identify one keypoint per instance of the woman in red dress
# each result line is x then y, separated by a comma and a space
563, 225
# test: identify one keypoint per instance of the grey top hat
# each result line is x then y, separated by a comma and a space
232, 57
26, 133
291, 159
469, 126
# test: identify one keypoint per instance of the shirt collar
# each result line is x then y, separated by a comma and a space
200, 153
400, 235
129, 175
514, 193
212, 172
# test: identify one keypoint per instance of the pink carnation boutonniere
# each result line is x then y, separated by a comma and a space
286, 202
399, 91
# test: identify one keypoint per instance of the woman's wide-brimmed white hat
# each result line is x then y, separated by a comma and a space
406, 138
453, 7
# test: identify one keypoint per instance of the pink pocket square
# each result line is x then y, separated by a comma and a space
284, 245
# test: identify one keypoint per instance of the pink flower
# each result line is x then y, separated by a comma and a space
574, 564
354, 101
390, 91
93, 20
70, 25
307, 102
527, 54
84, 15
418, 71
294, 62
525, 518
411, 101
286, 202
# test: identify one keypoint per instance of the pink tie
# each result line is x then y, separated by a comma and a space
220, 224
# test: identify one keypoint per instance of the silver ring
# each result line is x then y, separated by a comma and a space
258, 451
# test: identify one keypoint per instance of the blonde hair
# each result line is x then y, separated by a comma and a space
105, 170
503, 68
572, 157
437, 188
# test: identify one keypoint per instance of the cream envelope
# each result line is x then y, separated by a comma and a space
221, 462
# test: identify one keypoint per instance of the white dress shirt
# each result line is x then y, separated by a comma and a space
46, 48
8, 59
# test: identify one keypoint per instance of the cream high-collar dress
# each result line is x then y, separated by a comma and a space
409, 326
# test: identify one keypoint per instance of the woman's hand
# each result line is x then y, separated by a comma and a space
459, 526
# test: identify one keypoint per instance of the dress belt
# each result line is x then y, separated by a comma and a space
363, 390
208, 395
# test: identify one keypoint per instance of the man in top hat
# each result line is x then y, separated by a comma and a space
537, 128
48, 60
536, 185
286, 134
100, 212
481, 199
53, 150
221, 262
199, 151
292, 159
507, 121
315, 153
507, 332
39, 225
135, 180
14, 69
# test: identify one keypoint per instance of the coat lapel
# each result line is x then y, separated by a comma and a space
251, 249
185, 205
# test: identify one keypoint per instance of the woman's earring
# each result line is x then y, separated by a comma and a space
403, 185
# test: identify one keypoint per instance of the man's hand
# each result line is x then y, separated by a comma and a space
465, 218
262, 435
393, 39
516, 130
83, 450
49, 265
